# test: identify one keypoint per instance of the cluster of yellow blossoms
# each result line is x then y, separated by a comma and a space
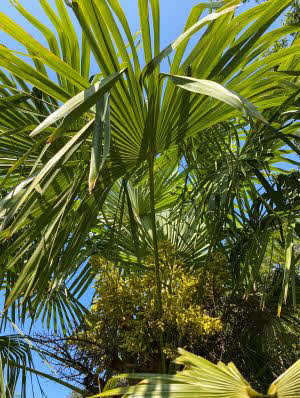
125, 323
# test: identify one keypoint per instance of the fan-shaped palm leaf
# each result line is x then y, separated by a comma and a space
201, 378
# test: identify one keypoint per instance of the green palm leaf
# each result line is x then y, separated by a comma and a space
204, 379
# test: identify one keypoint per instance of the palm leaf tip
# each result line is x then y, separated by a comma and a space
288, 384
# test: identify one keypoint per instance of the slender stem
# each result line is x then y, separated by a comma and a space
155, 253
132, 224
154, 235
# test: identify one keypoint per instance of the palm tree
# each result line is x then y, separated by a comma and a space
66, 143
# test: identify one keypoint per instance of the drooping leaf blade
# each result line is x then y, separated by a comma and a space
215, 90
101, 140
78, 105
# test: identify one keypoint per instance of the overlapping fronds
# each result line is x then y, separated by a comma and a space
222, 107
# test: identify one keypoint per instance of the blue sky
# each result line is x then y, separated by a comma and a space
173, 17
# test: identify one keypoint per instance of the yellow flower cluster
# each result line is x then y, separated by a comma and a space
125, 320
